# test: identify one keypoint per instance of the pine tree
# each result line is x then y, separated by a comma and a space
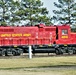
33, 12
3, 10
7, 8
26, 11
66, 13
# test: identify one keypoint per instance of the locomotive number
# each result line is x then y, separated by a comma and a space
64, 37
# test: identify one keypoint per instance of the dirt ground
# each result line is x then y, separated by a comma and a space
41, 71
28, 72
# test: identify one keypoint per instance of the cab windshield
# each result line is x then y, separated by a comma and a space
64, 32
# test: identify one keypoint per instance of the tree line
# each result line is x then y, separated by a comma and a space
31, 12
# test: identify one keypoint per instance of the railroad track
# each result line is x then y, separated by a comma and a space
36, 55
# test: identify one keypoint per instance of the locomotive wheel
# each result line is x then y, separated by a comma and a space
57, 52
18, 54
2, 53
70, 52
6, 54
14, 53
74, 52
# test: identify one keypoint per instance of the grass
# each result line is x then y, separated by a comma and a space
38, 62
42, 65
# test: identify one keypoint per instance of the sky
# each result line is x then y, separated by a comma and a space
49, 4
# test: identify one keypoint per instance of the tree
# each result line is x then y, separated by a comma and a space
3, 8
26, 11
6, 9
66, 13
33, 12
14, 7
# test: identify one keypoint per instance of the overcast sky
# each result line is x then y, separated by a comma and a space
49, 5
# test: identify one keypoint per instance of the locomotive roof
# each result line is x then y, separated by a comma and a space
39, 25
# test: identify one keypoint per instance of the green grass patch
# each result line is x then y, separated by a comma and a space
38, 62
39, 66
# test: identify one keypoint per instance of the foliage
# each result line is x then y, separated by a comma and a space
26, 11
33, 12
73, 29
7, 9
66, 12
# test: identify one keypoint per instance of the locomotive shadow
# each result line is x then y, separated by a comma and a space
55, 67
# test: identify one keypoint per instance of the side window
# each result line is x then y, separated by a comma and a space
64, 32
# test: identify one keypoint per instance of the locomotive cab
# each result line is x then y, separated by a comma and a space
63, 34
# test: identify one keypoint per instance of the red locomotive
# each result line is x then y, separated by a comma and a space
43, 39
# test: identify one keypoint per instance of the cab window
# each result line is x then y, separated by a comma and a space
64, 32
